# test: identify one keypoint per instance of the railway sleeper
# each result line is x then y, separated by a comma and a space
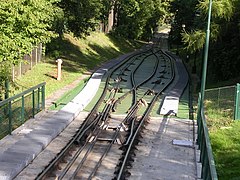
118, 141
123, 128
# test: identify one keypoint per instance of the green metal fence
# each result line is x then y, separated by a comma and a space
203, 140
237, 102
15, 110
223, 103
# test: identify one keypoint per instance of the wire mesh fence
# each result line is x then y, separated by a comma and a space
29, 61
220, 105
16, 110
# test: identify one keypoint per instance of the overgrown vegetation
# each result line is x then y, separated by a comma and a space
217, 118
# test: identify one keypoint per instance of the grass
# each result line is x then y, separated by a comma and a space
68, 96
183, 107
78, 55
224, 135
226, 150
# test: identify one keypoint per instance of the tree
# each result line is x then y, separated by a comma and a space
224, 56
136, 19
221, 10
81, 16
183, 19
24, 24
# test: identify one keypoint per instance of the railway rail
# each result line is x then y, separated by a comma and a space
112, 130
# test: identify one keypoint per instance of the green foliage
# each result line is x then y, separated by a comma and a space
183, 15
138, 18
24, 24
194, 40
104, 10
81, 17
225, 52
195, 18
220, 8
218, 117
224, 49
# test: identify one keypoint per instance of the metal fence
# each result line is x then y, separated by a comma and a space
237, 102
16, 110
29, 61
203, 141
223, 102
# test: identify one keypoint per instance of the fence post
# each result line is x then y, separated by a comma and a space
7, 86
38, 99
199, 119
43, 97
33, 103
22, 109
237, 103
10, 117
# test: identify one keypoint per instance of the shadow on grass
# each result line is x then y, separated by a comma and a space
51, 76
74, 60
123, 44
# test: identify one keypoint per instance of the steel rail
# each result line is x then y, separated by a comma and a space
146, 114
131, 132
86, 154
140, 84
86, 124
68, 166
135, 87
132, 111
114, 138
91, 119
104, 93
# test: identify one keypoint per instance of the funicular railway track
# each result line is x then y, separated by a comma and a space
106, 140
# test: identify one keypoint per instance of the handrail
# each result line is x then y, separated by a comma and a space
206, 156
22, 94
15, 110
224, 87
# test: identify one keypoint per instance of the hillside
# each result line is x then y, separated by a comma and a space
79, 56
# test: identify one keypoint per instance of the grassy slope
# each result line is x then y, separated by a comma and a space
226, 149
78, 55
224, 132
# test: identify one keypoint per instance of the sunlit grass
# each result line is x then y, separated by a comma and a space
68, 96
45, 72
216, 117
78, 55
226, 150
225, 140
183, 107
